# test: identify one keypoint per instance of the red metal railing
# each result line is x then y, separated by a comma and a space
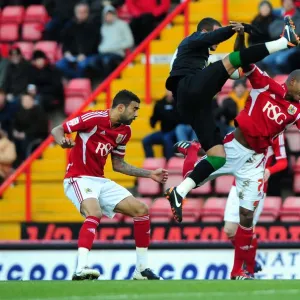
105, 86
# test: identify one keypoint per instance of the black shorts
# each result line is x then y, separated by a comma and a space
194, 94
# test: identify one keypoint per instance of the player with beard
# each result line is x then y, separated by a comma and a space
100, 133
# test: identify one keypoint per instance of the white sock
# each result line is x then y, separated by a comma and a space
141, 258
185, 186
277, 45
82, 258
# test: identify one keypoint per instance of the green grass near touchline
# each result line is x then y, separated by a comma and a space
150, 290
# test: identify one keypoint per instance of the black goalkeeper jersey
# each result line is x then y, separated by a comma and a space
193, 52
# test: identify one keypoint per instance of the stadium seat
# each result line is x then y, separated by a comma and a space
173, 180
160, 210
205, 189
36, 13
9, 32
297, 166
79, 87
32, 31
223, 184
72, 103
12, 14
154, 163
290, 211
26, 49
148, 187
146, 200
49, 47
296, 185
281, 78
191, 210
213, 210
175, 165
271, 209
4, 50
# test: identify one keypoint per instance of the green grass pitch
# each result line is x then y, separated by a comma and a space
148, 290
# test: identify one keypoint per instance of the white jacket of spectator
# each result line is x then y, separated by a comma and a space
116, 36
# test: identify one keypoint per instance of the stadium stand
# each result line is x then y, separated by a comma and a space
48, 201
271, 209
290, 211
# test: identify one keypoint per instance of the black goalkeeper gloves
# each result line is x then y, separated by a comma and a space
251, 29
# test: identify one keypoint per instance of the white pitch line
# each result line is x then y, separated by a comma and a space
174, 295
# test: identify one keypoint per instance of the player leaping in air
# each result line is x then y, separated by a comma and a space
194, 84
232, 211
269, 110
100, 133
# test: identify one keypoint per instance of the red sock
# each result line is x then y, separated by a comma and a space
243, 240
87, 232
141, 227
189, 161
252, 255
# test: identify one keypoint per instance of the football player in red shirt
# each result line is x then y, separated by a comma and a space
269, 110
232, 214
100, 133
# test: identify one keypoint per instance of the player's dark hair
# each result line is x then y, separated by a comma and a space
208, 24
125, 97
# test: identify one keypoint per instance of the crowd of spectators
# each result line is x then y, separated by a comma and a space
94, 36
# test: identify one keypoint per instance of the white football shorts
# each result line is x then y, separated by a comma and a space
106, 191
232, 209
248, 168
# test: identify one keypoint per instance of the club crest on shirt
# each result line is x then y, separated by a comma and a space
120, 138
292, 109
73, 122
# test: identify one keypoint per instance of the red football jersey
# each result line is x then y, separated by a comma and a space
277, 151
95, 140
266, 113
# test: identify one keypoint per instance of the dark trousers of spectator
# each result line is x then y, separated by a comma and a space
105, 63
22, 150
74, 69
142, 26
49, 102
167, 139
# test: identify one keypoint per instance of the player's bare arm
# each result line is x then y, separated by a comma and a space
240, 40
119, 165
60, 138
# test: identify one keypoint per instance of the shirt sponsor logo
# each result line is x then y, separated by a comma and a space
104, 149
274, 113
292, 109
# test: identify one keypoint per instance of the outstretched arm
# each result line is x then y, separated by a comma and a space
239, 43
119, 165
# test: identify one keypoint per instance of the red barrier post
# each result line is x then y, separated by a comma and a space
28, 216
147, 75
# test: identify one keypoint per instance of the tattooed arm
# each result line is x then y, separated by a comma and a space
119, 165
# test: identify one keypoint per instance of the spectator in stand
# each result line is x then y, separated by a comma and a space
279, 62
116, 38
165, 113
30, 127
184, 132
262, 21
7, 156
16, 79
146, 14
7, 113
3, 69
46, 82
231, 106
79, 39
60, 12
